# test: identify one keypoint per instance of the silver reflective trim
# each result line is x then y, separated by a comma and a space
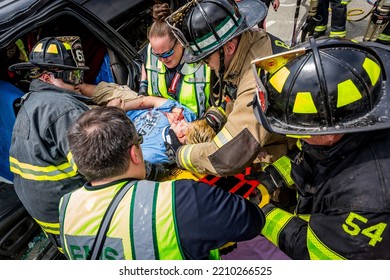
142, 221
200, 86
156, 70
197, 80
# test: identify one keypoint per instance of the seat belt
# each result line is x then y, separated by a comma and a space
119, 71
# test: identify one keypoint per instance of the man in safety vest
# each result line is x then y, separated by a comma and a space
333, 94
119, 215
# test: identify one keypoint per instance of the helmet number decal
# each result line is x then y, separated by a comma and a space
78, 54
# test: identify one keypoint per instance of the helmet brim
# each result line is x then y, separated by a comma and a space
253, 12
28, 66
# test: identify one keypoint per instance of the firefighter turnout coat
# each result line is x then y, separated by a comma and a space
343, 208
39, 150
242, 138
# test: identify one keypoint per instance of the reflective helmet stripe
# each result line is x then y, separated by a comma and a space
347, 93
224, 30
279, 79
304, 104
373, 70
52, 48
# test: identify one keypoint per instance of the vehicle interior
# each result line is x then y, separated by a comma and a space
18, 231
94, 51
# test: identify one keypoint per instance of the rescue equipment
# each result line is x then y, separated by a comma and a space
379, 19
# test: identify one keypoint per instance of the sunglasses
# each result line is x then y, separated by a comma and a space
139, 141
71, 77
166, 54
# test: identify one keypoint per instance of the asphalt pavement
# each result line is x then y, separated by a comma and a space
281, 22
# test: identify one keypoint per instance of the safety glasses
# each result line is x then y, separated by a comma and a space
139, 141
166, 54
71, 77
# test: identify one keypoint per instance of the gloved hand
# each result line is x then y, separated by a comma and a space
216, 118
275, 183
156, 171
260, 196
143, 88
172, 143
275, 176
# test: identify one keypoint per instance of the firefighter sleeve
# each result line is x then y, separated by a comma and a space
328, 236
237, 145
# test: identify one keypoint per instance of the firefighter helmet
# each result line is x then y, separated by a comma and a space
203, 26
62, 53
328, 86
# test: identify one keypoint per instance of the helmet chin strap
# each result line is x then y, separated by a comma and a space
221, 71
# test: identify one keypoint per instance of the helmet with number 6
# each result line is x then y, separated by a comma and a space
55, 53
328, 86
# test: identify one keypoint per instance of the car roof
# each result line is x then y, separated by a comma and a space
108, 10
13, 11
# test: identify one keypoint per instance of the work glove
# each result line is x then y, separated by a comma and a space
275, 176
156, 171
276, 183
172, 143
216, 118
143, 88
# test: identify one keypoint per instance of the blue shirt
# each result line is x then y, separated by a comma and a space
153, 125
8, 94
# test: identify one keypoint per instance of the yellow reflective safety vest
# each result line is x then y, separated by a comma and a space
143, 226
194, 91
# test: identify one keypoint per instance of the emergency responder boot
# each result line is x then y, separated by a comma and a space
317, 34
319, 31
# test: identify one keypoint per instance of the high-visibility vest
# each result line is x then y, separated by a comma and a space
195, 84
143, 226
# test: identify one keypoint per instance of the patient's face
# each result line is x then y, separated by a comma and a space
180, 128
176, 115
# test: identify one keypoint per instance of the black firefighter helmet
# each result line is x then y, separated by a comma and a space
203, 26
328, 86
61, 55
50, 53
